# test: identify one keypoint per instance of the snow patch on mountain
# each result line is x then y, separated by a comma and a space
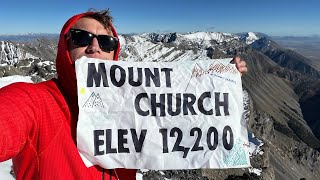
207, 36
4, 81
251, 37
5, 168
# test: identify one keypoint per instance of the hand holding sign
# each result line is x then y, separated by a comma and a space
164, 115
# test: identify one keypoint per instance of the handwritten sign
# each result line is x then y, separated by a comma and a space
161, 115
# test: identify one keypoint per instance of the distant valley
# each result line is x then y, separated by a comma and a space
308, 46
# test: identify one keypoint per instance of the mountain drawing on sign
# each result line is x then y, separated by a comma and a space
94, 101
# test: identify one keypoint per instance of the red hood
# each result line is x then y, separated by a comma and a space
65, 66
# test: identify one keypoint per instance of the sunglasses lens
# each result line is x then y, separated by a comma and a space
107, 43
81, 38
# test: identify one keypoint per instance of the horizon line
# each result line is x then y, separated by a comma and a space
167, 32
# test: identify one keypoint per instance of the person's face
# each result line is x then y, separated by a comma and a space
93, 50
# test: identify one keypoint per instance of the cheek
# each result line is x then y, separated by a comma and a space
76, 53
109, 56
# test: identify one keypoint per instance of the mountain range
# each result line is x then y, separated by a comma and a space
282, 84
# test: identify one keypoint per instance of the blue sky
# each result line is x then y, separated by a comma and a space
273, 17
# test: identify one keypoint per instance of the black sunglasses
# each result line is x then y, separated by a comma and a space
84, 38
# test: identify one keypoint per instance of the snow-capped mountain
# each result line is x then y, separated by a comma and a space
11, 53
176, 47
146, 47
250, 37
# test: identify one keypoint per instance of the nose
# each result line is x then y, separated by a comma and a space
93, 46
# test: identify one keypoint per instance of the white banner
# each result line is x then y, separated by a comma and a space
161, 115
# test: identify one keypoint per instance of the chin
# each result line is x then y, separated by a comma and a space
94, 56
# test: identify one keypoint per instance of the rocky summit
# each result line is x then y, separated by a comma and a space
282, 95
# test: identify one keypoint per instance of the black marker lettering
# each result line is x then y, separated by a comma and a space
95, 75
224, 103
98, 142
138, 143
122, 79
109, 149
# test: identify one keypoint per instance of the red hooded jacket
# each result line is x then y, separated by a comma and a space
38, 125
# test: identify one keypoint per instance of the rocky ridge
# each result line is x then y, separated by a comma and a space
10, 53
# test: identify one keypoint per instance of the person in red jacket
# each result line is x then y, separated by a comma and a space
38, 121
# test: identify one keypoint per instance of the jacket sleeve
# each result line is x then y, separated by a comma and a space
17, 119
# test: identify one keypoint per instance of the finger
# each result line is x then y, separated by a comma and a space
243, 70
235, 60
242, 64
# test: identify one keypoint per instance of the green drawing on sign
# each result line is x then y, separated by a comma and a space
237, 156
